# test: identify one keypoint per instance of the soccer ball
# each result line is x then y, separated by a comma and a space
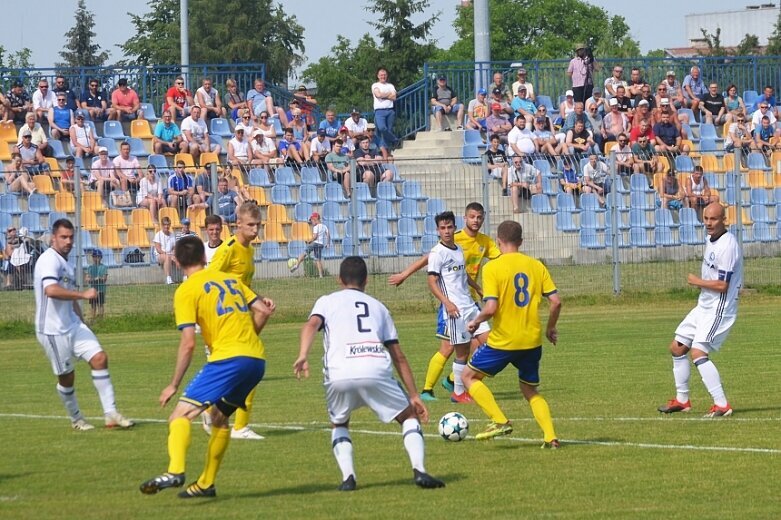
291, 263
453, 427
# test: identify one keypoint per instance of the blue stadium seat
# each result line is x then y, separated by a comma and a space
547, 102
749, 98
109, 258
137, 147
160, 163
638, 219
110, 144
277, 125
392, 167
334, 192
688, 217
435, 206
663, 236
470, 153
430, 226
385, 210
761, 232
405, 246
9, 203
756, 161
362, 234
590, 201
541, 204
565, 222
412, 190
641, 200
54, 216
692, 121
381, 228
285, 176
86, 240
362, 210
760, 196
295, 248
329, 251
708, 145
409, 208
408, 227
302, 212
308, 193
270, 251
638, 237
362, 192
777, 198
684, 164
759, 213
460, 222
551, 186
544, 167
281, 194
113, 129
333, 230
149, 112
690, 235
220, 127
620, 240
429, 241
32, 221
589, 219
708, 131
639, 182
566, 202
712, 180
39, 203
259, 177
473, 137
311, 175
387, 191
664, 217
381, 246
6, 220
732, 195
58, 151
589, 239
333, 211
348, 247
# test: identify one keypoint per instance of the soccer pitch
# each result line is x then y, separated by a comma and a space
611, 369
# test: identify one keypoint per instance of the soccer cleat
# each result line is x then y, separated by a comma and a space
206, 420
161, 482
168, 280
247, 434
464, 398
673, 405
196, 491
426, 481
117, 420
447, 384
348, 484
719, 411
494, 430
80, 425
552, 445
427, 395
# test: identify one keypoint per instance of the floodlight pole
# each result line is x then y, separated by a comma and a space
482, 43
184, 36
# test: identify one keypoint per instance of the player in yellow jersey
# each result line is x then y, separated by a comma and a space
513, 286
236, 256
230, 316
477, 247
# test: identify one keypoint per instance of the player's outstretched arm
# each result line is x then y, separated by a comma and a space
553, 317
262, 309
308, 331
398, 278
405, 373
183, 358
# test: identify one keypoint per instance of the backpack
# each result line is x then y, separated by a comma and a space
136, 256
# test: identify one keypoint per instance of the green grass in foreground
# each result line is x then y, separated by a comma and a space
603, 382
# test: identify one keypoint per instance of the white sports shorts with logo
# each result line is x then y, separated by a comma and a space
704, 330
384, 396
63, 349
454, 329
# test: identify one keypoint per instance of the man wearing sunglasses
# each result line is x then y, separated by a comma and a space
178, 100
94, 102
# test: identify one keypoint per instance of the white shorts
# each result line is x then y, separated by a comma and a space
63, 349
384, 396
454, 329
704, 330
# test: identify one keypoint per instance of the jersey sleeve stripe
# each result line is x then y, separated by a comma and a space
50, 278
549, 293
253, 300
486, 298
185, 325
322, 320
389, 342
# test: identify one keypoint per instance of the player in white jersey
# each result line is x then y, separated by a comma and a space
213, 240
705, 328
62, 333
361, 349
449, 283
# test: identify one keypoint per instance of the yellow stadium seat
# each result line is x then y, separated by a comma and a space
658, 181
277, 213
710, 163
273, 231
732, 217
43, 183
756, 179
8, 132
665, 163
257, 194
171, 213
91, 200
140, 128
237, 174
777, 184
197, 217
694, 151
54, 166
109, 238
142, 217
5, 151
89, 220
729, 163
64, 202
775, 161
209, 158
115, 219
137, 236
301, 231
189, 162
609, 145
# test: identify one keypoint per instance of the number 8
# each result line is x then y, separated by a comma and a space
521, 290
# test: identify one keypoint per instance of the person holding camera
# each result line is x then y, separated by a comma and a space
581, 71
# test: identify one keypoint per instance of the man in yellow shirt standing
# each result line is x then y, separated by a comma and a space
230, 316
513, 286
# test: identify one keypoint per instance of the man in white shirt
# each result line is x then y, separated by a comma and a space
213, 233
361, 350
196, 135
127, 168
61, 331
43, 100
163, 243
520, 138
522, 82
209, 99
355, 124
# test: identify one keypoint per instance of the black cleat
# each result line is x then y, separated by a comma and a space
426, 481
348, 484
161, 482
196, 491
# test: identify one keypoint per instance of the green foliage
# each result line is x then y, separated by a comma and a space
774, 42
657, 53
16, 60
544, 29
80, 49
748, 46
230, 31
713, 42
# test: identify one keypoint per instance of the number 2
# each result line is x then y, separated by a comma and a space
365, 314
521, 290
222, 309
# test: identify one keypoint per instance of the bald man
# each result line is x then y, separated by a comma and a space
704, 329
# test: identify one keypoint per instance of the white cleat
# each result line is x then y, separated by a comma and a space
207, 422
80, 425
246, 433
117, 420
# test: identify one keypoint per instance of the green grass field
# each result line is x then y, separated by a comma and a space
604, 381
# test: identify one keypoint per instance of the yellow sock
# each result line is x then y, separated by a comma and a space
541, 413
178, 442
435, 368
242, 416
218, 445
485, 400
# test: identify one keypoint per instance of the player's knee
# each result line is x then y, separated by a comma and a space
528, 391
99, 361
678, 349
407, 413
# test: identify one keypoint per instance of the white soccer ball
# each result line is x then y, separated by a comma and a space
291, 262
453, 427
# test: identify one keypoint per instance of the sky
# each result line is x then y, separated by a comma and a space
657, 26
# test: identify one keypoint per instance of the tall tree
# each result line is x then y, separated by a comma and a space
15, 60
713, 43
80, 49
774, 42
748, 46
229, 31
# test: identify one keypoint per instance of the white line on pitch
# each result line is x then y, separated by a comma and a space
317, 426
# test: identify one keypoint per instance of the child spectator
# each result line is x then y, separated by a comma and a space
96, 276
321, 238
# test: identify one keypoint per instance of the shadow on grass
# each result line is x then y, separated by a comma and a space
11, 476
741, 411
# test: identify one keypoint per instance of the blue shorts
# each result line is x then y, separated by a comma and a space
491, 361
228, 380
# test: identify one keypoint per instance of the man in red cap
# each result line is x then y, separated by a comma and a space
321, 238
497, 123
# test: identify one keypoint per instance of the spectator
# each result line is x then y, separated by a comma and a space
38, 134
239, 149
497, 124
569, 176
580, 141
477, 112
331, 125
32, 158
43, 100
60, 118
696, 191
338, 164
674, 90
504, 91
19, 103
259, 100
665, 107
645, 95
524, 106
344, 135
370, 166
61, 86
196, 135
542, 111
669, 193
180, 188
185, 231
527, 84
264, 152
624, 159
713, 105
127, 169
227, 201
202, 189
209, 100
167, 137
544, 140
300, 132
96, 277
163, 247
178, 100
264, 125
520, 139
763, 136
5, 114
576, 115
765, 110
384, 94
636, 83
734, 104
83, 142
290, 150
498, 98
234, 99
249, 126
596, 121
644, 159
596, 178
445, 101
376, 142
624, 103
68, 176
525, 181
598, 101
319, 147
497, 162
642, 112
103, 177
17, 179
150, 193
321, 238
125, 105
668, 138
694, 90
93, 101
567, 106
18, 258
581, 71
213, 232
614, 123
768, 97
306, 103
615, 81
356, 124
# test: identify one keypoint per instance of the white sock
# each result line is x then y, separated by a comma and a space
458, 383
712, 381
681, 373
102, 381
343, 450
68, 397
413, 443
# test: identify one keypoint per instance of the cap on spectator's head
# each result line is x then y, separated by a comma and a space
540, 119
296, 111
521, 87
671, 73
642, 102
314, 215
569, 93
102, 149
521, 71
196, 106
497, 90
70, 159
18, 83
301, 87
27, 133
579, 46
293, 101
257, 132
355, 111
321, 131
482, 91
441, 77
122, 82
496, 106
97, 253
665, 101
613, 102
596, 91
371, 126
185, 221
344, 129
79, 115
